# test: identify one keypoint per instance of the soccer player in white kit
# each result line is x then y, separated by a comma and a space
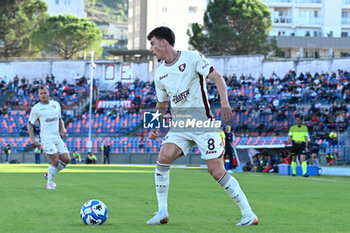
48, 113
180, 79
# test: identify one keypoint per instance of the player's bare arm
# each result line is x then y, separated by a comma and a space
31, 135
161, 107
63, 130
226, 111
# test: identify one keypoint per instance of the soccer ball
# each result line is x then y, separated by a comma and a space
94, 212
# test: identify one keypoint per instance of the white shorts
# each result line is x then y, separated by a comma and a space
209, 143
54, 147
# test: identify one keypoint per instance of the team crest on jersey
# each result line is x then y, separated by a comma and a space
182, 67
54, 106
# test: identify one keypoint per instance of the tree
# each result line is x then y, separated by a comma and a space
18, 20
233, 27
67, 35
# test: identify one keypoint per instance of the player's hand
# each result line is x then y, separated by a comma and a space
226, 113
153, 134
34, 143
307, 150
63, 134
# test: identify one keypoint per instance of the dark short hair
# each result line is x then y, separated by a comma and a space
299, 116
163, 33
43, 87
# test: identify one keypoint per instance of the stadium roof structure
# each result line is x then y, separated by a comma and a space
132, 55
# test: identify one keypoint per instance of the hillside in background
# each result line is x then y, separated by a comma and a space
107, 11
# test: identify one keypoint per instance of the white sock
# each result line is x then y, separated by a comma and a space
52, 170
61, 165
232, 188
162, 185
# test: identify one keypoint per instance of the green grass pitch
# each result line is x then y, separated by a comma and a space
196, 202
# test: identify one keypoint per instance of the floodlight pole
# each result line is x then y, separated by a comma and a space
92, 67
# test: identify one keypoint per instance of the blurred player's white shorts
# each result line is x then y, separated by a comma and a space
54, 147
209, 143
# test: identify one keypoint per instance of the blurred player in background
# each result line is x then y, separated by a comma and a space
7, 152
181, 76
37, 153
48, 114
228, 147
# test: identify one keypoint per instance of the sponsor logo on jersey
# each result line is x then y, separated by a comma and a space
210, 152
206, 64
164, 76
181, 96
48, 120
182, 67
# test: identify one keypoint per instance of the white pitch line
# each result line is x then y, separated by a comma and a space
328, 180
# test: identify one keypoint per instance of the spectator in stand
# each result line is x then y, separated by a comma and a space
262, 161
256, 163
24, 131
247, 167
245, 129
268, 165
141, 143
3, 86
281, 116
342, 127
314, 149
287, 159
333, 138
330, 159
4, 109
113, 113
271, 164
260, 128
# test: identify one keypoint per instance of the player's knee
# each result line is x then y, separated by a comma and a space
217, 173
164, 158
54, 162
65, 158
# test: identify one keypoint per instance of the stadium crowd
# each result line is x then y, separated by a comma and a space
25, 90
261, 107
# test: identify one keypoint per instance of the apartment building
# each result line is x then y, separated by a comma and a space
179, 15
69, 7
311, 28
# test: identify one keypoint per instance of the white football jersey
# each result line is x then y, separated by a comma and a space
183, 83
48, 116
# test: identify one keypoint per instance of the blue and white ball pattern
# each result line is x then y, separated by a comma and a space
94, 212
